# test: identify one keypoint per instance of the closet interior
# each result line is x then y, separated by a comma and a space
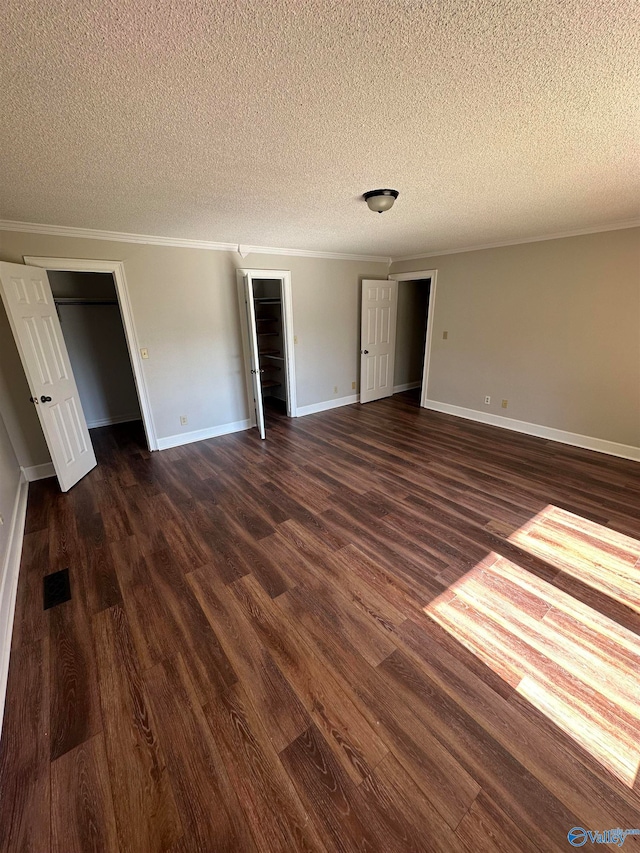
93, 332
267, 300
268, 343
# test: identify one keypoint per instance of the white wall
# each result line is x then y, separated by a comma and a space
185, 310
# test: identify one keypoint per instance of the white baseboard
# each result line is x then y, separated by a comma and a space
408, 386
9, 585
613, 448
124, 419
202, 434
39, 472
326, 405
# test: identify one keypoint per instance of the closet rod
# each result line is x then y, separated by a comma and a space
72, 300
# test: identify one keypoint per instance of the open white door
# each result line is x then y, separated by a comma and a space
377, 339
247, 310
34, 322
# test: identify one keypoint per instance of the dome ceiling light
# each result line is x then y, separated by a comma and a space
380, 200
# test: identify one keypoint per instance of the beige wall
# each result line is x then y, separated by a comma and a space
185, 309
552, 326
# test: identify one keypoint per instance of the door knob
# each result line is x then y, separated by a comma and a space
33, 400
44, 399
365, 352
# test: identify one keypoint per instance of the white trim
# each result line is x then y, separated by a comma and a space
115, 236
596, 229
418, 275
328, 404
408, 386
202, 434
244, 250
289, 345
311, 253
9, 585
123, 419
288, 329
39, 472
177, 242
600, 445
116, 268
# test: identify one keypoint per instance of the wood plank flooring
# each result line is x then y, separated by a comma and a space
382, 629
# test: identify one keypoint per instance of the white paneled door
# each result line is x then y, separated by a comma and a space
377, 339
34, 321
246, 297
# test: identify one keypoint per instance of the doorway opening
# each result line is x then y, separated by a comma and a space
396, 324
267, 336
414, 330
93, 331
119, 318
411, 334
103, 348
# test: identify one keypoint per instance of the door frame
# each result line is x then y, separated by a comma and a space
417, 276
116, 268
289, 337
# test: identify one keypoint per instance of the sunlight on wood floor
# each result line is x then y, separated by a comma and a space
573, 663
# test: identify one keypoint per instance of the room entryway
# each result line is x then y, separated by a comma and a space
411, 334
395, 334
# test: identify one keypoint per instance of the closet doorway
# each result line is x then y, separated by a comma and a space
266, 317
87, 306
124, 321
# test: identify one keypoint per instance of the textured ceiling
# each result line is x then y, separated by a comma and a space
263, 122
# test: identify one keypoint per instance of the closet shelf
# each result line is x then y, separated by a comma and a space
267, 300
270, 383
271, 353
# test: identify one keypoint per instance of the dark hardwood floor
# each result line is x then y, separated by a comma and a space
382, 629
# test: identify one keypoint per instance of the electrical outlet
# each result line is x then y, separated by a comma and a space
183, 420
335, 389
445, 335
353, 386
504, 404
144, 352
487, 400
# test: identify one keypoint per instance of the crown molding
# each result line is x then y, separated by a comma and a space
116, 236
245, 250
596, 229
178, 242
305, 253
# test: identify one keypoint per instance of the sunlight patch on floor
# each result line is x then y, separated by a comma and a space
596, 555
574, 664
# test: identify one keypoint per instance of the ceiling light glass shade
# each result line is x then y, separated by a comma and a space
381, 200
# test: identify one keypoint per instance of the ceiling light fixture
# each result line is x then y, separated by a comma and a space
380, 200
